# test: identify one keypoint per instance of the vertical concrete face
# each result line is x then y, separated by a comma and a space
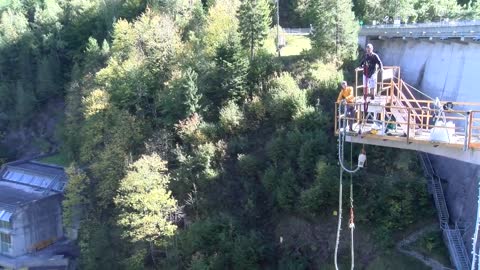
37, 225
445, 69
461, 192
449, 70
362, 41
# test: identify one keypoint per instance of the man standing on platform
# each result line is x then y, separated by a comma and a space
371, 63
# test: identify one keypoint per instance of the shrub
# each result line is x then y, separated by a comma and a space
248, 164
286, 100
205, 158
286, 190
255, 113
189, 129
231, 118
269, 179
323, 193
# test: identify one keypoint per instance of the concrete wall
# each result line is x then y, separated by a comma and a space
461, 191
37, 224
449, 70
445, 69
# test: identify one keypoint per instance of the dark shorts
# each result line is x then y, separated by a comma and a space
350, 111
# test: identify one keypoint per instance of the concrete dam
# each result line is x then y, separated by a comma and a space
442, 61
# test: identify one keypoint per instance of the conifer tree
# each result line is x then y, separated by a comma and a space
190, 92
229, 78
335, 30
254, 22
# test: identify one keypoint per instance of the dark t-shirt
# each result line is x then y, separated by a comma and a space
369, 63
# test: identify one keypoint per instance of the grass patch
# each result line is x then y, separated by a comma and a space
324, 72
393, 260
295, 45
396, 261
431, 245
59, 159
42, 144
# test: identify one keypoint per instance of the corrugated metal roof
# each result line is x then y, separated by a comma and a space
7, 207
22, 182
13, 195
5, 215
35, 174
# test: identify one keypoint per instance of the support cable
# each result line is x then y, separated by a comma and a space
475, 235
416, 90
341, 141
339, 227
351, 222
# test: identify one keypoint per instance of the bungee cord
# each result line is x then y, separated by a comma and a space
361, 160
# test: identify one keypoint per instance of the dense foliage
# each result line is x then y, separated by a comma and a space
190, 145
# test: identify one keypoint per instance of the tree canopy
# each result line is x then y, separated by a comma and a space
146, 205
192, 145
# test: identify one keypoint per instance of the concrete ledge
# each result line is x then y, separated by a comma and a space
469, 156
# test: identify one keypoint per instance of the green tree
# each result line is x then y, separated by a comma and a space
25, 103
286, 192
286, 101
394, 9
47, 77
231, 118
13, 26
229, 76
190, 92
360, 8
476, 10
221, 24
335, 30
434, 10
142, 61
183, 98
146, 205
93, 56
76, 196
322, 194
254, 23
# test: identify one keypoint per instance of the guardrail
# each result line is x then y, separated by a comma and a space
425, 25
467, 29
297, 31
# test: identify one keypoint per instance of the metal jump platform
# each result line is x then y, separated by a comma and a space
401, 116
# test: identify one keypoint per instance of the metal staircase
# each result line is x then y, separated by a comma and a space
456, 247
427, 165
452, 236
440, 203
405, 107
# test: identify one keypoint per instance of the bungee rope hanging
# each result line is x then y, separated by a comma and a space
361, 160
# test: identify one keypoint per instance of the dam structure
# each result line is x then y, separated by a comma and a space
443, 61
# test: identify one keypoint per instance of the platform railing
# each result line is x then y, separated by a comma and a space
468, 124
385, 82
474, 129
416, 115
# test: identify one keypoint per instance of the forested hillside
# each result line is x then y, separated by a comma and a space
191, 145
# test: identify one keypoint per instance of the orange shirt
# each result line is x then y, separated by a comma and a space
346, 94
